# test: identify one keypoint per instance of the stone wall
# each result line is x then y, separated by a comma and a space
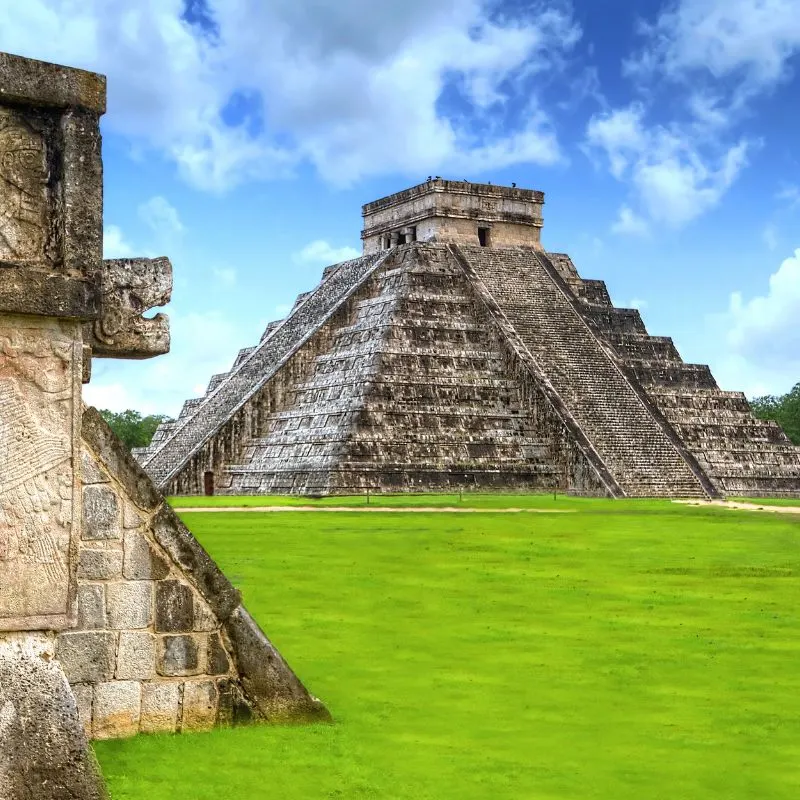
162, 641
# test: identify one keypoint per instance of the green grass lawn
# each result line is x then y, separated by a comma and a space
632, 650
467, 500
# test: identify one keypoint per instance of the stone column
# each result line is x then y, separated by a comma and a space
50, 286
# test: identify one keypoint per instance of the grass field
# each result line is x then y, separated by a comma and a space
630, 650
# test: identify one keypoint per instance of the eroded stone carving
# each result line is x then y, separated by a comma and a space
131, 287
39, 377
23, 191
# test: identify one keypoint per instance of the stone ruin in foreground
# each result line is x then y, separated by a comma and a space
457, 353
113, 619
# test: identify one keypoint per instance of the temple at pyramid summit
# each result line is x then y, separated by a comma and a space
458, 354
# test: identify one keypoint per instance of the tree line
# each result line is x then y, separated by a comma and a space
784, 409
134, 429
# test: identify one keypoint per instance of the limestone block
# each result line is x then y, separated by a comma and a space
129, 604
44, 754
99, 564
131, 517
84, 697
100, 513
174, 607
136, 656
218, 661
117, 708
86, 657
91, 607
233, 708
90, 472
204, 619
178, 655
142, 561
200, 699
160, 707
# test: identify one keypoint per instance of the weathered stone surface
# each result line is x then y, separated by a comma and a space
218, 662
200, 701
269, 683
160, 707
458, 354
197, 565
90, 473
117, 708
174, 607
233, 708
129, 604
142, 561
96, 565
118, 461
84, 699
131, 287
87, 657
204, 619
131, 518
44, 754
136, 656
92, 607
39, 516
100, 513
178, 655
40, 83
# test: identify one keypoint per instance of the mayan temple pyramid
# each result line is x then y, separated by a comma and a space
457, 353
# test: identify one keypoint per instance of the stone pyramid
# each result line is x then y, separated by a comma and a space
458, 353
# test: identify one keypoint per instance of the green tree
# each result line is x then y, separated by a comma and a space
134, 429
785, 410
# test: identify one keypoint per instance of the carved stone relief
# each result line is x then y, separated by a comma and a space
23, 191
40, 375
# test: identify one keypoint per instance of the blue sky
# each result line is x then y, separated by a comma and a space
242, 138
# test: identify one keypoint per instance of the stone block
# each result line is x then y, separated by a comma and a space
218, 662
142, 561
98, 565
178, 655
117, 709
84, 696
160, 707
174, 607
233, 708
92, 607
200, 701
86, 657
129, 604
131, 517
136, 656
90, 472
204, 619
100, 513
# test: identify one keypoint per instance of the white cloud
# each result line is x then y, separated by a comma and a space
770, 236
790, 195
638, 304
353, 87
114, 243
161, 217
750, 40
764, 329
675, 177
322, 254
630, 223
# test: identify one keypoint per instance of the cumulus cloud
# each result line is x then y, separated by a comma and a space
355, 87
161, 217
763, 329
674, 176
320, 253
115, 245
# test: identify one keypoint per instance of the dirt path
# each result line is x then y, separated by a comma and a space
413, 509
733, 504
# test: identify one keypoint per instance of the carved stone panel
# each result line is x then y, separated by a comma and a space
23, 191
40, 380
